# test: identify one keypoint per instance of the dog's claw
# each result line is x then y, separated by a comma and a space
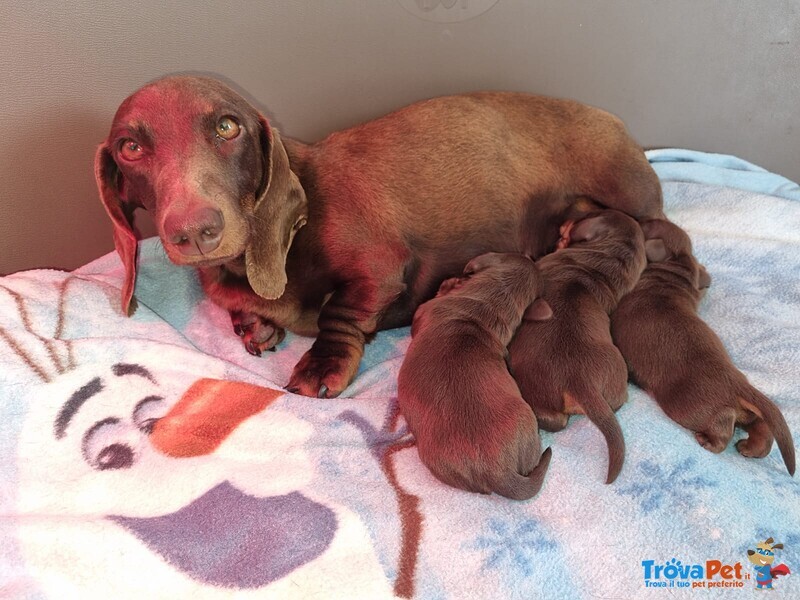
257, 333
323, 376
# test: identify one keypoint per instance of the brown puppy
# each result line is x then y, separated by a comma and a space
568, 365
473, 429
347, 236
696, 384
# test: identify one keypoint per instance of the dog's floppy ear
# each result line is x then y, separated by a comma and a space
540, 310
109, 180
481, 262
587, 229
656, 250
279, 212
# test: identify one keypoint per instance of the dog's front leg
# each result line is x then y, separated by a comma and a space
347, 322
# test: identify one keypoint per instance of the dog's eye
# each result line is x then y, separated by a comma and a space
130, 150
228, 128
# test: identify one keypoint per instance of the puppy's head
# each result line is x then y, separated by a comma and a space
600, 225
500, 262
515, 273
212, 172
667, 244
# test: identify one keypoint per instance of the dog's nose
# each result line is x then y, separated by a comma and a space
198, 233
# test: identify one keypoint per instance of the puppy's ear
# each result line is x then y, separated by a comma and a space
479, 263
751, 552
656, 250
779, 546
587, 230
280, 210
540, 310
109, 184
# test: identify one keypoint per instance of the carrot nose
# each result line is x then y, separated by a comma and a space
206, 415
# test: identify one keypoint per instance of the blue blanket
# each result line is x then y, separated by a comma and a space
152, 457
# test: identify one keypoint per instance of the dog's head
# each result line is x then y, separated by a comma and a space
665, 242
212, 172
764, 554
599, 224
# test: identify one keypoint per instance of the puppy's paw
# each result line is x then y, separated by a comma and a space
754, 448
257, 333
323, 375
550, 420
711, 443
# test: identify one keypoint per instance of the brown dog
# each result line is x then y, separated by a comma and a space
473, 429
349, 235
696, 385
568, 365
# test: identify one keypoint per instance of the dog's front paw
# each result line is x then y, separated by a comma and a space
324, 372
257, 333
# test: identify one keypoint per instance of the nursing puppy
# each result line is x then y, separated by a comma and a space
473, 429
696, 384
568, 365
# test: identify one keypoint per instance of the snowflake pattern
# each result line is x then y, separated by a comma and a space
513, 546
659, 486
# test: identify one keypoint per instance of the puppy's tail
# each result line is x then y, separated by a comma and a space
599, 412
519, 487
763, 407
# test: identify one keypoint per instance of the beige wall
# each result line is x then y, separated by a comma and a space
705, 74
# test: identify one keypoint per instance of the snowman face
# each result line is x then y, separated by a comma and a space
113, 503
97, 496
85, 450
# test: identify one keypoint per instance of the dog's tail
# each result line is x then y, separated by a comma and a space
763, 407
519, 487
599, 412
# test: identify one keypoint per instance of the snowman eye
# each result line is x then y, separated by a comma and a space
147, 412
110, 444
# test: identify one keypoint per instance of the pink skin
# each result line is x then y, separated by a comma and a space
565, 230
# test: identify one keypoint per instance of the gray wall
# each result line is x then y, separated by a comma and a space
720, 76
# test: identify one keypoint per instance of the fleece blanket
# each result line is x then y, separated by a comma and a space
270, 495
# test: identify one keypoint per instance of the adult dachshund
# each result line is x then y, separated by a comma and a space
347, 236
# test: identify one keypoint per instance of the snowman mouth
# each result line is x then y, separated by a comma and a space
231, 539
